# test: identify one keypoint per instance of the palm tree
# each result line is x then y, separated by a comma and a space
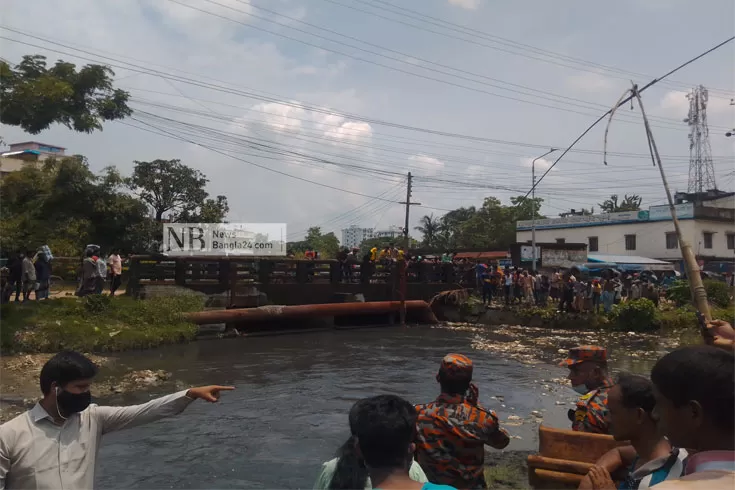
430, 228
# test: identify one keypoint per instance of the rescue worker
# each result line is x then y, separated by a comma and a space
453, 430
588, 373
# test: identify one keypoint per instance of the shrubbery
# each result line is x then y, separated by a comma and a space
718, 293
638, 315
97, 323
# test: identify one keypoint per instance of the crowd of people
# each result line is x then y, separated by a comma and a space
679, 424
571, 294
30, 273
27, 273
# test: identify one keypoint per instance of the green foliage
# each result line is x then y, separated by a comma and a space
629, 203
326, 244
170, 187
718, 293
35, 97
492, 226
638, 315
430, 229
97, 323
64, 205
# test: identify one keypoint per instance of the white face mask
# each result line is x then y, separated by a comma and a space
581, 389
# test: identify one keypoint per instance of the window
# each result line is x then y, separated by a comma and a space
560, 240
731, 241
672, 241
594, 245
707, 239
629, 242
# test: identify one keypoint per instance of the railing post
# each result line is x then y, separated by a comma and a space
301, 272
180, 272
133, 278
265, 269
224, 274
335, 272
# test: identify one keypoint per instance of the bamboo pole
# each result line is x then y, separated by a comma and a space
699, 294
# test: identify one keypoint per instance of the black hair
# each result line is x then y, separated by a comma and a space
702, 373
453, 386
385, 428
350, 472
65, 367
637, 391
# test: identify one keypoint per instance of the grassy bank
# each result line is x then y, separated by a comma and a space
96, 323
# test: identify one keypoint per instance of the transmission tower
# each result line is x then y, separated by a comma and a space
701, 170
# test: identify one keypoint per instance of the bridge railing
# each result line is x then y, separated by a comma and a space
223, 273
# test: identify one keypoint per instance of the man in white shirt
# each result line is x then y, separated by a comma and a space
54, 445
115, 262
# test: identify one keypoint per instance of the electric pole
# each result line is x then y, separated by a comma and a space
406, 243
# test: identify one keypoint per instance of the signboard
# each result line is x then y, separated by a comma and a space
662, 213
654, 213
563, 258
527, 253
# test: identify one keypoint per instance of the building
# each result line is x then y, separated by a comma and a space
708, 224
353, 236
27, 153
391, 232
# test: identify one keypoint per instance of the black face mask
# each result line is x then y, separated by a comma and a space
70, 403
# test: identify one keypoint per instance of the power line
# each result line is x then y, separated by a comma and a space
474, 33
389, 67
266, 98
623, 102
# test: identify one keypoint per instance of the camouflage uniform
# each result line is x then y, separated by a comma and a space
453, 430
591, 413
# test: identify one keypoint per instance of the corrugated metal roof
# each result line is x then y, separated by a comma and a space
623, 259
20, 152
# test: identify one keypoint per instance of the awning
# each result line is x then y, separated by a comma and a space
631, 262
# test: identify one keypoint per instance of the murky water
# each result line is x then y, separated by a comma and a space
289, 412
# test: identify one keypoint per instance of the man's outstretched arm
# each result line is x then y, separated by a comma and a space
117, 418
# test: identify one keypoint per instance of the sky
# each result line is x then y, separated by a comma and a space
311, 112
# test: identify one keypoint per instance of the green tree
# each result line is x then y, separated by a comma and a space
34, 97
326, 244
430, 227
64, 205
629, 203
170, 187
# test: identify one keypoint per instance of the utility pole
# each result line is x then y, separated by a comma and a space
533, 207
402, 264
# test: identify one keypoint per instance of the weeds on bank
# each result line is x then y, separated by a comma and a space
639, 315
96, 323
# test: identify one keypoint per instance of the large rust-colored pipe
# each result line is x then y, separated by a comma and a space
309, 311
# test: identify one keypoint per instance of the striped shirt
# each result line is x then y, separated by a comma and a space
655, 471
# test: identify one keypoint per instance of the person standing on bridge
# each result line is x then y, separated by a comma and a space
588, 373
454, 429
54, 445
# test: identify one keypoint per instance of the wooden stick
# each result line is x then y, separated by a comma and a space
699, 294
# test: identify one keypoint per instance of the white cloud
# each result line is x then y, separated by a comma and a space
542, 164
350, 130
590, 82
466, 4
280, 117
430, 164
675, 102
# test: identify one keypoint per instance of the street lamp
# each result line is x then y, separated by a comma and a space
533, 207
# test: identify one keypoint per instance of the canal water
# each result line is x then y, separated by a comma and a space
289, 411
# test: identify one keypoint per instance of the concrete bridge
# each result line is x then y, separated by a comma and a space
294, 282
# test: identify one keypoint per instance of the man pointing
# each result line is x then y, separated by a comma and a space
54, 445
